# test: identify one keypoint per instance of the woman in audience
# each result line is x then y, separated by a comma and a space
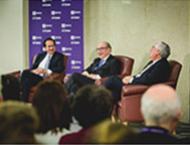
19, 122
50, 101
91, 105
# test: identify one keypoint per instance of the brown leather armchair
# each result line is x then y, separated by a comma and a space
126, 66
7, 79
129, 106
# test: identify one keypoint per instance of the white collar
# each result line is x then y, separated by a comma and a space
106, 57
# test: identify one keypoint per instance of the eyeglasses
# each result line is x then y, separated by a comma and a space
101, 48
50, 46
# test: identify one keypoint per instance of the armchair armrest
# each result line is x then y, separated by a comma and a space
15, 74
170, 83
56, 76
133, 89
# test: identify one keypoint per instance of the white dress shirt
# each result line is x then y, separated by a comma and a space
45, 63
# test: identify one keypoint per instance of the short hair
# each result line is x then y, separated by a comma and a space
49, 39
51, 103
164, 49
160, 108
19, 121
108, 44
92, 104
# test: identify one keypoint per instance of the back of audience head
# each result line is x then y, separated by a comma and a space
50, 101
19, 122
107, 132
91, 105
161, 107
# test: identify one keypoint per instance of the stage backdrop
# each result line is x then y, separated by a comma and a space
63, 21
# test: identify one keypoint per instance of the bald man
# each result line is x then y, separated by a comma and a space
161, 110
103, 66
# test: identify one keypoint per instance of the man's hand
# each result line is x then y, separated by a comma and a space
126, 79
39, 71
85, 73
92, 76
66, 78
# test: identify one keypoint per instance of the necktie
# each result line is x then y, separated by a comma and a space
102, 61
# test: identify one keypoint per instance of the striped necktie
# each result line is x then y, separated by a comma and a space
102, 61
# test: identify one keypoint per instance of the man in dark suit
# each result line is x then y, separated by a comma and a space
103, 66
156, 71
45, 64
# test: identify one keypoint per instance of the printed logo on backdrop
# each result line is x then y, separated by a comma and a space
63, 21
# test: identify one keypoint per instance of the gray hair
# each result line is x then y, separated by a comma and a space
160, 110
164, 49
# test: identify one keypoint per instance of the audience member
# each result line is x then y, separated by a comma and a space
103, 66
156, 71
45, 63
92, 104
108, 132
52, 106
19, 122
161, 110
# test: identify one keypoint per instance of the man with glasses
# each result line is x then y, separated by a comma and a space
103, 66
45, 64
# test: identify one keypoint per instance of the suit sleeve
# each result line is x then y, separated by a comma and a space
112, 68
156, 75
58, 65
36, 62
115, 67
92, 65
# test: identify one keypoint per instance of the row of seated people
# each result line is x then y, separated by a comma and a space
111, 71
48, 119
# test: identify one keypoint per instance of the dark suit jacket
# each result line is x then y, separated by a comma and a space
157, 73
111, 67
56, 62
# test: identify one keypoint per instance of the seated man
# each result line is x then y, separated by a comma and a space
156, 71
161, 110
103, 66
45, 64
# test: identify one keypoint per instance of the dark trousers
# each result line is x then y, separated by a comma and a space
77, 81
114, 84
28, 80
